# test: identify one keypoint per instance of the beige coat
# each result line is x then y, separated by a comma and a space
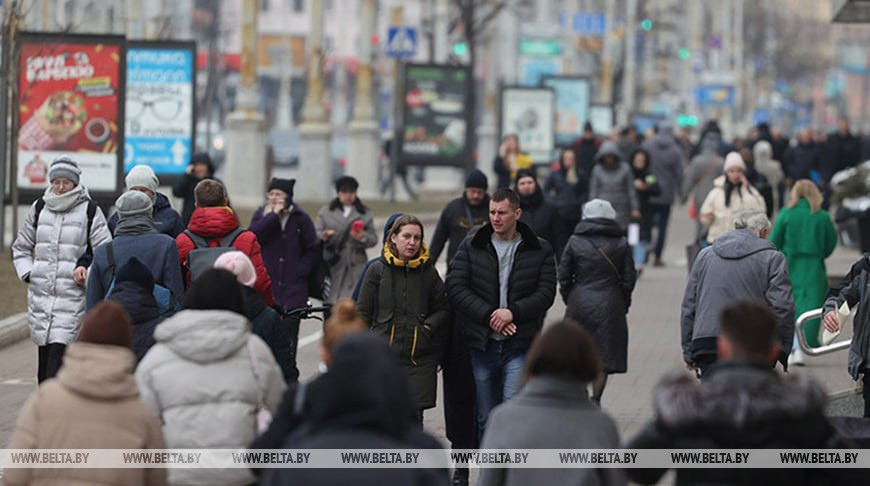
92, 404
723, 216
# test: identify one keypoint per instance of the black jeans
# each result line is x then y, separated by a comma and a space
293, 326
460, 415
660, 214
866, 393
50, 359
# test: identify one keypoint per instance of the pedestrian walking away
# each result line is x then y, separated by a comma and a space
347, 228
503, 281
612, 181
667, 160
166, 220
596, 279
51, 253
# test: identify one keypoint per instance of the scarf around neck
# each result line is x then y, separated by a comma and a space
61, 203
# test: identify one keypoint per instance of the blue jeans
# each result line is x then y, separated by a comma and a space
497, 373
639, 253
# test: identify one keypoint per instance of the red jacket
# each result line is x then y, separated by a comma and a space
215, 223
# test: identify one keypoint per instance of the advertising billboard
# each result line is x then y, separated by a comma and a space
528, 112
160, 100
572, 106
71, 101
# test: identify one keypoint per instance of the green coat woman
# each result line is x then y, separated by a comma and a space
403, 298
805, 234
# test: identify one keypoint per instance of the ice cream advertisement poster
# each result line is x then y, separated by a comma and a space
70, 102
159, 111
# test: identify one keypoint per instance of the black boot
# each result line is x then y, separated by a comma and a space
460, 476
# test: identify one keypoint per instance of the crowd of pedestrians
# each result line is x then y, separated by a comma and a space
188, 318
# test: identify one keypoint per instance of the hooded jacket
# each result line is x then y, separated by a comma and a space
213, 224
473, 286
550, 412
362, 402
92, 404
199, 375
457, 219
45, 257
741, 405
749, 199
666, 163
702, 171
614, 184
596, 295
738, 266
140, 304
290, 253
406, 303
543, 218
166, 219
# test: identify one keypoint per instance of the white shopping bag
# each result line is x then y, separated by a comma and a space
633, 234
845, 317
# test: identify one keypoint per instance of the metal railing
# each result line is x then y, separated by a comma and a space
802, 337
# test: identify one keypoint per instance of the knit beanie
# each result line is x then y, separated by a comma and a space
135, 271
476, 179
63, 166
598, 208
733, 159
239, 265
107, 323
526, 173
142, 176
285, 185
346, 183
132, 203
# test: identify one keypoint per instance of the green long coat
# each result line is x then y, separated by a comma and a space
806, 239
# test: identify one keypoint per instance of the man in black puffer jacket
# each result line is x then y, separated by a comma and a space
502, 280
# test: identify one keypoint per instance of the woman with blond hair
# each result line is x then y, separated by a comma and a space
805, 234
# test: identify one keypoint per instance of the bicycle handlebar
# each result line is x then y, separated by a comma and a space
305, 312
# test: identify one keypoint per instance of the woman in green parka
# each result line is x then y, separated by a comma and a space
403, 299
805, 234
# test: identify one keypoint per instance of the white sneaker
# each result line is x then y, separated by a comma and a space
797, 358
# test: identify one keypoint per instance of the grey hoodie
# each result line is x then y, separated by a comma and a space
738, 266
666, 163
614, 184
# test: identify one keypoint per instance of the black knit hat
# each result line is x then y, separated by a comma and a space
346, 183
526, 173
284, 185
476, 179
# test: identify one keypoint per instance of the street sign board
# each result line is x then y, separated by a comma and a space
572, 106
529, 113
540, 47
715, 95
402, 41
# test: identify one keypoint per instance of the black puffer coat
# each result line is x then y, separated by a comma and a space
742, 405
598, 295
473, 286
543, 218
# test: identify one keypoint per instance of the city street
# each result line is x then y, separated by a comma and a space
654, 347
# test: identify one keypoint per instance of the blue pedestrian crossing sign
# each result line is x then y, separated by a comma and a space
401, 41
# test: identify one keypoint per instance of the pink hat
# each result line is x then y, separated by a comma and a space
239, 265
733, 159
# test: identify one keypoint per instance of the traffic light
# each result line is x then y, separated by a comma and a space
460, 49
685, 53
646, 24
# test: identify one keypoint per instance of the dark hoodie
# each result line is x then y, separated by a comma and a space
666, 163
738, 266
187, 183
166, 219
364, 401
542, 216
133, 290
741, 405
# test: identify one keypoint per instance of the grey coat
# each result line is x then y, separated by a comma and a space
48, 255
347, 271
666, 163
615, 185
856, 293
596, 295
550, 413
738, 266
699, 177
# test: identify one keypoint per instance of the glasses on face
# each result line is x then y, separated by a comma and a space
164, 108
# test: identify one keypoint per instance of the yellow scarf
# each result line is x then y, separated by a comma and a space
398, 262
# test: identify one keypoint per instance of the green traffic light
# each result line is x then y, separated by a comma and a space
646, 24
684, 53
460, 49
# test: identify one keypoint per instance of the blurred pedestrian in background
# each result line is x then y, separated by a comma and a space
646, 185
667, 161
731, 194
347, 228
612, 181
509, 160
772, 171
200, 167
166, 220
461, 216
568, 188
538, 213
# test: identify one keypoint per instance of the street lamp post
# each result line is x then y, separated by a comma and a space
245, 174
363, 146
315, 162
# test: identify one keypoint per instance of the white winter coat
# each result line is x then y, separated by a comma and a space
723, 216
48, 255
199, 379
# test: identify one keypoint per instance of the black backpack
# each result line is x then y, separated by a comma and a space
203, 256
